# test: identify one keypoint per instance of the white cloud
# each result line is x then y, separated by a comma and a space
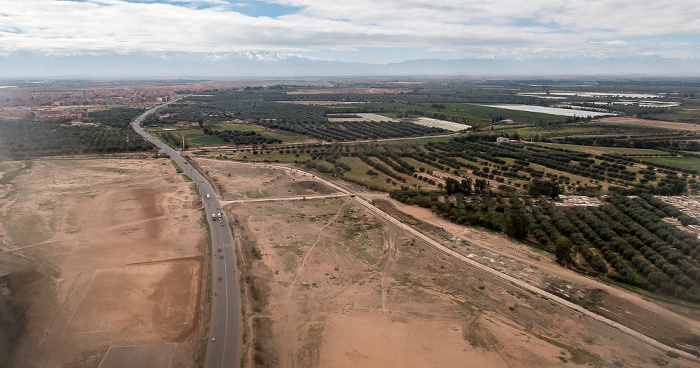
512, 28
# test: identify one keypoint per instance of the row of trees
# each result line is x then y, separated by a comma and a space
626, 240
111, 132
352, 130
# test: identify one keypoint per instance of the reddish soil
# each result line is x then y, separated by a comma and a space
118, 249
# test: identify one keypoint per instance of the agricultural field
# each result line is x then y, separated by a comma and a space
472, 180
685, 163
447, 125
598, 150
328, 277
329, 283
104, 131
691, 125
552, 110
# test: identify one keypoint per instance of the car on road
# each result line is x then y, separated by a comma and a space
219, 277
219, 249
221, 256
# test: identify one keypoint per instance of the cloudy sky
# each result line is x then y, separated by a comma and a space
377, 31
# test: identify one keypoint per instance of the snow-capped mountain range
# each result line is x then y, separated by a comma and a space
139, 64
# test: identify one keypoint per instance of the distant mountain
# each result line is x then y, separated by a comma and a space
26, 64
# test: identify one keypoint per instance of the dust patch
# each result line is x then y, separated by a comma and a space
143, 356
368, 340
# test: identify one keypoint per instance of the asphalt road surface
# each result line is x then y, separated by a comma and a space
226, 329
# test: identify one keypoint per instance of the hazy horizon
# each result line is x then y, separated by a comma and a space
358, 32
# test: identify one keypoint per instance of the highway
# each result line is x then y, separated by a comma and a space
226, 325
226, 328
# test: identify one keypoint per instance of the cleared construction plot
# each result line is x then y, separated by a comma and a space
102, 253
125, 298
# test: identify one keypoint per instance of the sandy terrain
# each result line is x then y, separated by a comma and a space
102, 253
328, 284
242, 181
650, 123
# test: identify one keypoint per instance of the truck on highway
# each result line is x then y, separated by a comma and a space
219, 215
213, 216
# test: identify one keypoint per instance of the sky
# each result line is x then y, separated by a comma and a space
373, 31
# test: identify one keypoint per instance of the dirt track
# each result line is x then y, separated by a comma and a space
320, 300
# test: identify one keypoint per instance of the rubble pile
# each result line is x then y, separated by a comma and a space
572, 201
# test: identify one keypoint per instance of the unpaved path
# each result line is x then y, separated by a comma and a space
525, 254
524, 285
313, 246
390, 249
512, 249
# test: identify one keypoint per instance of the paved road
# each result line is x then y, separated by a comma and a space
226, 329
640, 337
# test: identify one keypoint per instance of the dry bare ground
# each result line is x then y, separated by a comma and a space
328, 284
100, 253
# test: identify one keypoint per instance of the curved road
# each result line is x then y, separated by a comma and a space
225, 332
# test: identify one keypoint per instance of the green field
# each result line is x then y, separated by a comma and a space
687, 163
600, 149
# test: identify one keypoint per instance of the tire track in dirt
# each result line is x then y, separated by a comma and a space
61, 238
390, 248
306, 256
287, 317
524, 285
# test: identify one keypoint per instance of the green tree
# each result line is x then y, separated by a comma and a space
517, 222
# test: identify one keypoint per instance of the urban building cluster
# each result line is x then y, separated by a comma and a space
46, 105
